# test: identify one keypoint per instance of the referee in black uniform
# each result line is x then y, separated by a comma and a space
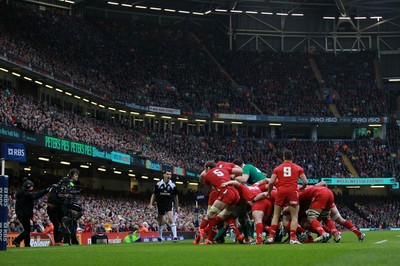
166, 195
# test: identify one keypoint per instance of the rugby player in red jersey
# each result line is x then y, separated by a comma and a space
227, 198
321, 201
288, 174
260, 209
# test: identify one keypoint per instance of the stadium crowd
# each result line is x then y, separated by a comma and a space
125, 60
320, 158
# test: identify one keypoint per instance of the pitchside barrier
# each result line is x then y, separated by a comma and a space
45, 240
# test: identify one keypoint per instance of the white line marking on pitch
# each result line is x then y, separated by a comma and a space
380, 242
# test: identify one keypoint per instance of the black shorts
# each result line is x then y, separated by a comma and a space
164, 208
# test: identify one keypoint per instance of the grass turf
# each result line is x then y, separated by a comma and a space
378, 248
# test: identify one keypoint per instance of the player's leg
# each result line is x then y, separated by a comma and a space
258, 220
335, 216
274, 223
171, 221
294, 214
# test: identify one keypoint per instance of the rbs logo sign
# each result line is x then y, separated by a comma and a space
14, 152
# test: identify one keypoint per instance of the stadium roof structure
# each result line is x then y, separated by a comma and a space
385, 8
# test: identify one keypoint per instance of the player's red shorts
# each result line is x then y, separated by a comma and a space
228, 195
212, 196
287, 197
264, 205
322, 200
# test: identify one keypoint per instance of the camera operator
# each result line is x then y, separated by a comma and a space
73, 209
24, 209
64, 208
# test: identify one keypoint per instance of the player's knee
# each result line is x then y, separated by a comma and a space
213, 211
325, 214
225, 213
336, 217
312, 214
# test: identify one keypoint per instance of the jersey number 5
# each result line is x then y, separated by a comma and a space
218, 173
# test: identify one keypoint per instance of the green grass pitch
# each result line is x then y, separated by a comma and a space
378, 248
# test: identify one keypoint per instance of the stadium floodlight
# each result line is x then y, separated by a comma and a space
182, 119
179, 182
126, 5
111, 108
297, 15
84, 166
275, 124
27, 169
28, 78
328, 17
132, 175
85, 100
282, 14
113, 3
77, 96
376, 17
117, 172
69, 2
355, 187
156, 179
68, 93
207, 12
237, 122
198, 13
141, 7
155, 8
344, 18
48, 86
101, 106
145, 177
377, 186
150, 115
101, 169
166, 117
135, 113
267, 13
183, 12
65, 163
251, 12
59, 90
94, 103
374, 125
218, 122
15, 74
3, 69
122, 111
236, 11
169, 10
221, 10
44, 159
360, 18
193, 184
38, 82
200, 120
394, 80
